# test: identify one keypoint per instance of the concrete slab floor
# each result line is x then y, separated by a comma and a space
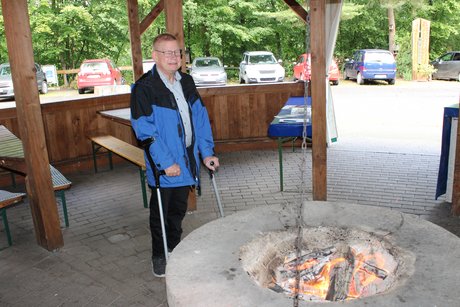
106, 257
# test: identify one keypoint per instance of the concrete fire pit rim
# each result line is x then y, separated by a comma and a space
214, 249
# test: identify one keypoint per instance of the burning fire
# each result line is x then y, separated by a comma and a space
332, 274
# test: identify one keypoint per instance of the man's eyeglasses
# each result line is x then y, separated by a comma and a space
171, 53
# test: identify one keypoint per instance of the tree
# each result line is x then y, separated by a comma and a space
391, 6
65, 32
363, 28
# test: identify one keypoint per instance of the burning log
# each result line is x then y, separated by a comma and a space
275, 287
342, 275
307, 273
315, 270
292, 260
333, 274
372, 269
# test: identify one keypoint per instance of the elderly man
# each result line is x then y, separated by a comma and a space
168, 116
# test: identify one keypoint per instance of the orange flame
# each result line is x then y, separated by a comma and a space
318, 287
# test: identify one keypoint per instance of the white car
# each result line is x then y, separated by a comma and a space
147, 65
259, 67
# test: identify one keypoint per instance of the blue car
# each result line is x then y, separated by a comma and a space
371, 64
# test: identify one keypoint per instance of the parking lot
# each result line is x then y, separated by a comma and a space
406, 117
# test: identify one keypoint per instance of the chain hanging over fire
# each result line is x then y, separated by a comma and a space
330, 273
303, 185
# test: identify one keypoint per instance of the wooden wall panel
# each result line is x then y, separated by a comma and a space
237, 113
243, 119
220, 117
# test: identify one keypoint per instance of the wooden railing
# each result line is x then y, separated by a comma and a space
239, 115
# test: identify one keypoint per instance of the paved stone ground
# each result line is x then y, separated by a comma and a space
106, 257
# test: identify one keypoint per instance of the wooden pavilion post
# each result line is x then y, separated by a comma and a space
135, 38
38, 180
175, 23
318, 93
456, 184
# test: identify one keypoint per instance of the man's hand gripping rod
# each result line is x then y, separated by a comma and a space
216, 191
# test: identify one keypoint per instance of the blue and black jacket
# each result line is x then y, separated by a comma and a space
155, 115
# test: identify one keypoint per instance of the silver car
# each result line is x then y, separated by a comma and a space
208, 71
6, 81
448, 66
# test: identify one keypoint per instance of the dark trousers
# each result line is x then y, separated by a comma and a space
174, 201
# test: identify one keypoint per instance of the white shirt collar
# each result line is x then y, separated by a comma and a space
165, 79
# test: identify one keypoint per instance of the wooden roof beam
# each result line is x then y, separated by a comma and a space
148, 20
298, 9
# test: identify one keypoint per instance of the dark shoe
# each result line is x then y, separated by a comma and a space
159, 266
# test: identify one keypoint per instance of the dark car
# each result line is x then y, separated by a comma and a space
6, 81
98, 72
371, 64
447, 66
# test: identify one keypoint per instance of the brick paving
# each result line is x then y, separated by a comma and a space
106, 257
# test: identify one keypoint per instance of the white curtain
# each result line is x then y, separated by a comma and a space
333, 12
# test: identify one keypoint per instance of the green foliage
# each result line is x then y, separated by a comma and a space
445, 21
426, 70
3, 48
65, 32
228, 28
404, 57
369, 28
366, 30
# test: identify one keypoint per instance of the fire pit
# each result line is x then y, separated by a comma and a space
236, 261
334, 263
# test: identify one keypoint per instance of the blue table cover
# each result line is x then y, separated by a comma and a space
449, 113
294, 129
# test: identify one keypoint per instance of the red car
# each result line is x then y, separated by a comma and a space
98, 72
302, 69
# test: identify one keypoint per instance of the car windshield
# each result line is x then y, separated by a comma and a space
207, 63
94, 66
5, 71
262, 59
379, 57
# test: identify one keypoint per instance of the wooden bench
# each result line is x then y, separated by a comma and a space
125, 150
7, 199
60, 184
12, 160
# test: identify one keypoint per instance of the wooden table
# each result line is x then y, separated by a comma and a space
122, 116
288, 127
11, 151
